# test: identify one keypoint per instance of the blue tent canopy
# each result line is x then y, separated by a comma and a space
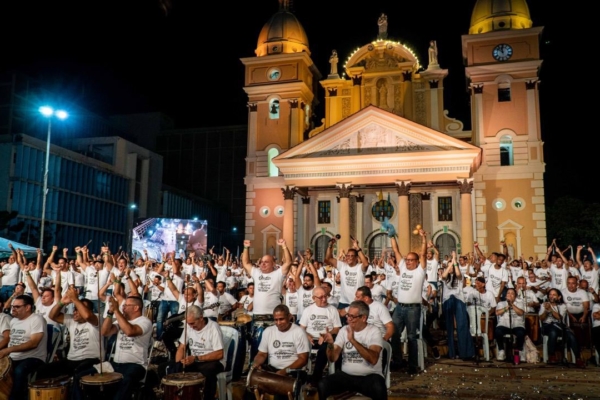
5, 251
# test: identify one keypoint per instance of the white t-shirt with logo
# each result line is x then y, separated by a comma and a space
210, 299
351, 278
291, 300
410, 284
85, 339
432, 270
44, 311
267, 290
559, 277
183, 304
283, 347
510, 318
205, 341
379, 316
305, 299
91, 278
317, 319
10, 274
134, 349
177, 281
495, 278
574, 301
21, 331
595, 322
591, 277
352, 362
245, 301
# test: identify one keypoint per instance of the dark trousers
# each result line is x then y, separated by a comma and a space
455, 310
554, 331
519, 332
372, 386
22, 370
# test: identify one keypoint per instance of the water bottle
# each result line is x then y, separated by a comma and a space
516, 357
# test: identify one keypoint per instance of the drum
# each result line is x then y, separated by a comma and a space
6, 382
532, 326
271, 383
100, 386
50, 389
183, 386
243, 319
227, 323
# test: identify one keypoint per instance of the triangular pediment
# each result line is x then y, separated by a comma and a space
374, 140
510, 224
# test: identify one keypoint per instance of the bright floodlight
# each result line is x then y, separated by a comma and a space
46, 111
61, 114
133, 206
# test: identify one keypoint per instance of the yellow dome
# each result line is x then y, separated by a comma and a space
498, 15
283, 33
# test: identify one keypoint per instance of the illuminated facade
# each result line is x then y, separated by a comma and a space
388, 149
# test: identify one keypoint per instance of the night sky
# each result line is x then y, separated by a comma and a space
130, 56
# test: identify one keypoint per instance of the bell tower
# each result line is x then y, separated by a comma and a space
502, 57
280, 84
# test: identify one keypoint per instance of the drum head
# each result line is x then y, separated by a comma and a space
243, 319
51, 383
5, 364
101, 379
183, 379
227, 323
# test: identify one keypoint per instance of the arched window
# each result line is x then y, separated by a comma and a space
271, 154
320, 246
506, 150
274, 109
379, 242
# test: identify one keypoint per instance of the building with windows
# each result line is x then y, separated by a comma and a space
387, 149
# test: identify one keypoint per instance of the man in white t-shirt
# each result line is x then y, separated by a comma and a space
134, 333
84, 349
168, 303
27, 347
201, 349
577, 302
317, 319
588, 268
379, 316
309, 282
246, 302
227, 301
351, 272
283, 347
9, 275
411, 276
360, 346
268, 282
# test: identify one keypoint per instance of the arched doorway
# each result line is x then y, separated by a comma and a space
446, 244
378, 243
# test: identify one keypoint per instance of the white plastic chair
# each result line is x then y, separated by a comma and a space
387, 347
231, 338
479, 332
57, 335
558, 340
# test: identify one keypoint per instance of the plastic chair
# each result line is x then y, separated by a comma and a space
479, 332
558, 340
387, 360
231, 338
56, 333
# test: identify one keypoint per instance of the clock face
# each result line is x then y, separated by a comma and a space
274, 74
502, 52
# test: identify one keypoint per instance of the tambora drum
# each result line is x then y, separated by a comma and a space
532, 326
101, 386
6, 382
50, 389
271, 383
183, 386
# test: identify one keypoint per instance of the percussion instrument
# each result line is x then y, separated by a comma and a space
183, 386
227, 323
6, 382
100, 386
532, 326
50, 389
348, 395
271, 383
243, 319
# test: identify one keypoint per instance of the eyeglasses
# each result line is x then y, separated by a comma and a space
411, 259
320, 297
350, 316
17, 307
128, 305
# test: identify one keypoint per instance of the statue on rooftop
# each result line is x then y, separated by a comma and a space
382, 22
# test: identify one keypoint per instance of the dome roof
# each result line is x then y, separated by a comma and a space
283, 33
497, 15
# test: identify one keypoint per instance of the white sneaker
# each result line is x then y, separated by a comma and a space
501, 355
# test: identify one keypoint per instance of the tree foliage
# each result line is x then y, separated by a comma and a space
573, 222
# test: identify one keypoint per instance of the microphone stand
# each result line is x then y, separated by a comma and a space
477, 330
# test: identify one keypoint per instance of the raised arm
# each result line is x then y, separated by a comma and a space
396, 249
361, 255
329, 258
246, 258
287, 257
423, 254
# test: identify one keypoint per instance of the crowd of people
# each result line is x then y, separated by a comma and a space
299, 313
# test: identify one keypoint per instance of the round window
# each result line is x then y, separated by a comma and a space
498, 204
264, 211
518, 204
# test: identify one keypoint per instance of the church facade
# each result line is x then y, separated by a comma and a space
387, 151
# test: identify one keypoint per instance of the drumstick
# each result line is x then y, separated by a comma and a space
187, 345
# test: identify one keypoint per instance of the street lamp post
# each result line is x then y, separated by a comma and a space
49, 113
